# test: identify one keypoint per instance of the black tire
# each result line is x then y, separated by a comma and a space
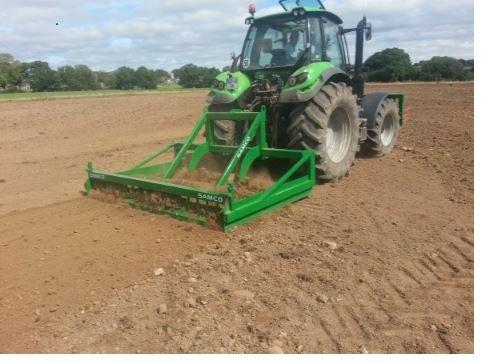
224, 130
329, 125
383, 130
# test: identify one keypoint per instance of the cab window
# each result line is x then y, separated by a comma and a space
275, 43
316, 40
332, 44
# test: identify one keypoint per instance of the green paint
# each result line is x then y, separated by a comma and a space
258, 123
315, 73
243, 82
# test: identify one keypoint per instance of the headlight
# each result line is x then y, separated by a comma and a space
300, 78
218, 84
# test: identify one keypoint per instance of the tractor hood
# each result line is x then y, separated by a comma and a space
228, 87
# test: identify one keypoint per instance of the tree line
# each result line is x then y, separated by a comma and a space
38, 76
389, 65
395, 65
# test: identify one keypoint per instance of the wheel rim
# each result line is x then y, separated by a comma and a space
388, 130
338, 135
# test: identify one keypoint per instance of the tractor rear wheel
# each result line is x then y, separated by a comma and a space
384, 130
328, 125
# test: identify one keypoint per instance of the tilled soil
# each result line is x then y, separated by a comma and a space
379, 262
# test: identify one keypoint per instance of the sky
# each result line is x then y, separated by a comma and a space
107, 34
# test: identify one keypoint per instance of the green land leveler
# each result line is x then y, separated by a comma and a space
291, 103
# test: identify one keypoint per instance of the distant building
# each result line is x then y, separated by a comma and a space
25, 87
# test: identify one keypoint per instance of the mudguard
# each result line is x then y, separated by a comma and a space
372, 101
303, 93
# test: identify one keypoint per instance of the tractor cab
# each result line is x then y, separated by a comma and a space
292, 39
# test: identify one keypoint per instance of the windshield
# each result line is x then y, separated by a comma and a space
275, 43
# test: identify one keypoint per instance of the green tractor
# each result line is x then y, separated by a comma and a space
291, 103
297, 65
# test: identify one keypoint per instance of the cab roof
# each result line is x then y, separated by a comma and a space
308, 10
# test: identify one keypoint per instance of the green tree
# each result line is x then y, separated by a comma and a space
125, 78
192, 76
389, 65
3, 81
105, 79
10, 71
6, 58
146, 78
442, 68
14, 75
77, 78
467, 63
41, 77
67, 78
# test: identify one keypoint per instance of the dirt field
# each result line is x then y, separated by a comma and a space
380, 262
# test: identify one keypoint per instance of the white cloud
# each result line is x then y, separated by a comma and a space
423, 28
107, 34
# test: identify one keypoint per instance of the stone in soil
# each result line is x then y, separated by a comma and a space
162, 309
331, 244
247, 256
276, 350
227, 341
243, 294
158, 272
201, 300
126, 323
190, 302
322, 298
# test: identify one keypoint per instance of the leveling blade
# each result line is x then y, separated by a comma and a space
149, 186
181, 202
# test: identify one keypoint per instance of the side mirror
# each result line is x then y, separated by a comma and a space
234, 65
368, 34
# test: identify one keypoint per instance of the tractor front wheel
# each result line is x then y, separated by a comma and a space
328, 125
224, 130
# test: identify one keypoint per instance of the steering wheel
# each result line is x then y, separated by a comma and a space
279, 57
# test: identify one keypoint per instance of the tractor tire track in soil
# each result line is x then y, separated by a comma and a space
379, 262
